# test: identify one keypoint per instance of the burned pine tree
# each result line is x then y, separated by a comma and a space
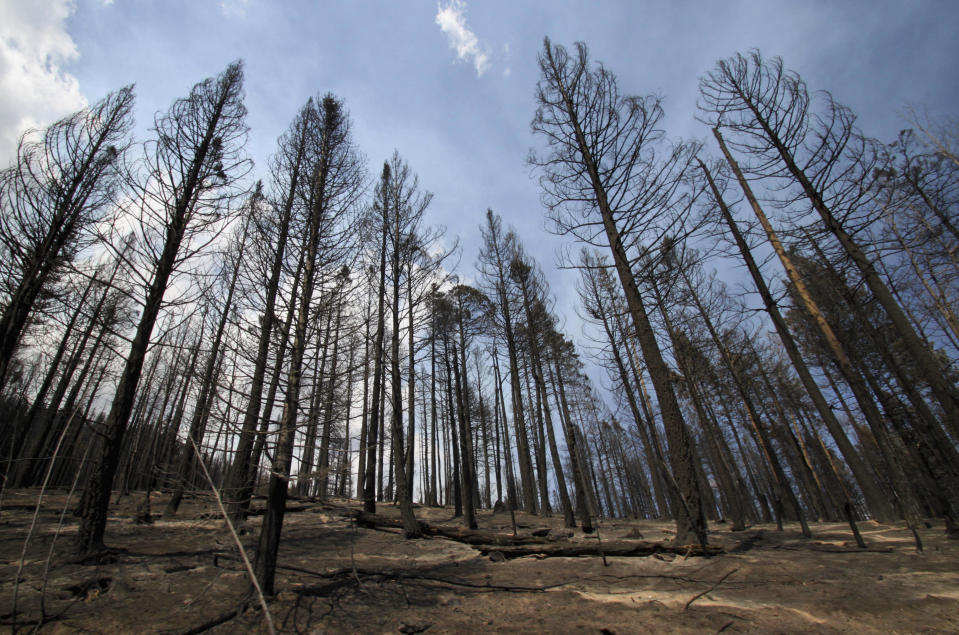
58, 187
189, 174
271, 232
604, 183
498, 250
327, 197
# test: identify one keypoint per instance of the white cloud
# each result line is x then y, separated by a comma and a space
452, 20
234, 8
34, 45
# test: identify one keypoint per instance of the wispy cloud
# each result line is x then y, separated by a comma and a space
234, 8
34, 47
451, 18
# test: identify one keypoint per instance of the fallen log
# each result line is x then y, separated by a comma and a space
517, 546
474, 537
608, 549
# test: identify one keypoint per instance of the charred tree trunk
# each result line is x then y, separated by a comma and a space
467, 480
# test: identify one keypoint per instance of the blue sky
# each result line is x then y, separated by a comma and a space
450, 84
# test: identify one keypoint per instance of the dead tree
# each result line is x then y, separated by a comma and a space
828, 164
57, 189
287, 167
498, 250
602, 153
190, 173
328, 196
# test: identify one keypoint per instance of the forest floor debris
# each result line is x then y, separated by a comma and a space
184, 575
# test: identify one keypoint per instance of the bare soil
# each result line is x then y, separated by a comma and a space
173, 576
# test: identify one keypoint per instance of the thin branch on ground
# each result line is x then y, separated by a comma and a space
712, 588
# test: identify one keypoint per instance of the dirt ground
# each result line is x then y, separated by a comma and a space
175, 576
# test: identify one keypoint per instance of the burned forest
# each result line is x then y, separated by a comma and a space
281, 397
